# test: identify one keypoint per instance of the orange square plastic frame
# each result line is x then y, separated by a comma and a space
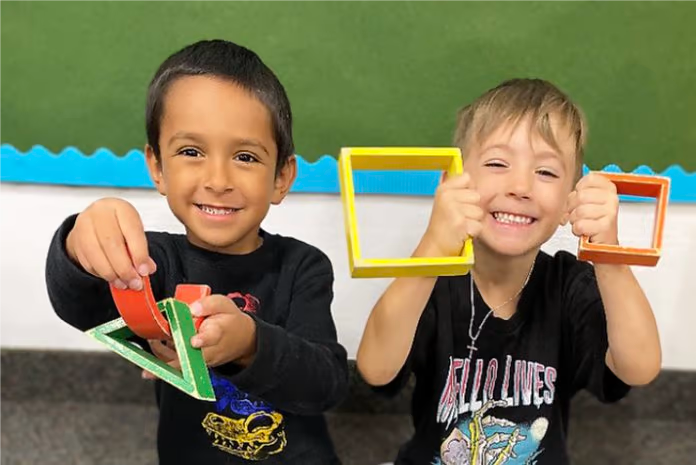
657, 187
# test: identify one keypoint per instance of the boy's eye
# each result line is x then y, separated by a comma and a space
245, 157
495, 163
547, 173
190, 152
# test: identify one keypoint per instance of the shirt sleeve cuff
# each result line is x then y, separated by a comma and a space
264, 372
610, 387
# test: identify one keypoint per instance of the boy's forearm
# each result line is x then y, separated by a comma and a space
298, 365
389, 332
293, 373
634, 352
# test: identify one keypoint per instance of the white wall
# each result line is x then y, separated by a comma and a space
30, 214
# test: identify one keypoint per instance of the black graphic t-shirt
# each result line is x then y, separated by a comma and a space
509, 404
269, 412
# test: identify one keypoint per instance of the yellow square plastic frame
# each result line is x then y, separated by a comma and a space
397, 158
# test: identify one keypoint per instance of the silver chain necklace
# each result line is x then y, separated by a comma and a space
473, 338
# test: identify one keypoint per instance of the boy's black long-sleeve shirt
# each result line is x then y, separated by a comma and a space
270, 411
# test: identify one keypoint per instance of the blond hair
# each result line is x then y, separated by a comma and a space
514, 100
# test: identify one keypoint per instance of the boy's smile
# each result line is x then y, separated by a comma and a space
217, 212
217, 164
512, 219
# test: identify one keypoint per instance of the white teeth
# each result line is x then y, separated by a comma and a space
513, 219
216, 210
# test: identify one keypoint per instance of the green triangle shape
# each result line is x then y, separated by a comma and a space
193, 379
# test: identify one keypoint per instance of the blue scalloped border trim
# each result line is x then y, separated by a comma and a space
102, 168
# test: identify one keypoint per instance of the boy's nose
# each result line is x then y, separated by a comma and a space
217, 178
520, 186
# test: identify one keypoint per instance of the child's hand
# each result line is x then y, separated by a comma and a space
227, 334
103, 236
593, 208
456, 216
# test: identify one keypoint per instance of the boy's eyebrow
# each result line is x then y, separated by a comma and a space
252, 142
546, 154
185, 135
504, 147
498, 146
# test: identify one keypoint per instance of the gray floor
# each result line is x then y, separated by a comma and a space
49, 418
97, 433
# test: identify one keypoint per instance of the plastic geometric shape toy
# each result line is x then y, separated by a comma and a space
193, 378
190, 294
657, 187
140, 312
397, 158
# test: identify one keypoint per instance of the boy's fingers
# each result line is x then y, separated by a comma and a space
162, 351
587, 180
152, 264
588, 197
133, 232
94, 255
596, 180
588, 212
593, 196
209, 335
586, 227
458, 182
114, 247
473, 213
467, 196
211, 305
570, 200
473, 229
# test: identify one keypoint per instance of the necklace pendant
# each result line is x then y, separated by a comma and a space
472, 349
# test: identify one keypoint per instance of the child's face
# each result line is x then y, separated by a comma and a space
218, 163
524, 184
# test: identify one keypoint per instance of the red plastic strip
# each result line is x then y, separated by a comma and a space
140, 312
190, 294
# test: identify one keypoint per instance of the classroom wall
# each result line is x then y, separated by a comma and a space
74, 77
388, 226
360, 73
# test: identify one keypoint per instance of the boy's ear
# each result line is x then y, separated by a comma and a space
284, 180
155, 169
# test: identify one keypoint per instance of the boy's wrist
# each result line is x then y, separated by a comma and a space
602, 269
249, 348
428, 248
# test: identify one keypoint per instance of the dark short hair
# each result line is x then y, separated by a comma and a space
232, 62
